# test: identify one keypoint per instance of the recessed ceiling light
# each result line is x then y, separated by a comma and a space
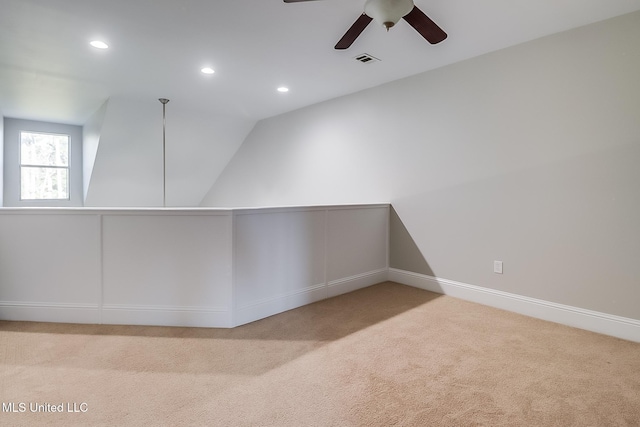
283, 89
99, 44
207, 70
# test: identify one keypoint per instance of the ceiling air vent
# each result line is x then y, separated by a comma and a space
365, 58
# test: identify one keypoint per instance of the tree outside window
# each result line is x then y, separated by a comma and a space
44, 166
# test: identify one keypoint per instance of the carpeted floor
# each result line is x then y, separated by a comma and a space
381, 356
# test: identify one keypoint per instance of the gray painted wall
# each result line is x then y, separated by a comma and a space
526, 155
404, 253
12, 128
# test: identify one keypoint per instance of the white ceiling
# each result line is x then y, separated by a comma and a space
49, 72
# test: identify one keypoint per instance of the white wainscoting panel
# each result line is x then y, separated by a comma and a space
166, 269
279, 261
184, 267
289, 257
49, 267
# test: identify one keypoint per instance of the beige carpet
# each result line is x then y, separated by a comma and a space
385, 355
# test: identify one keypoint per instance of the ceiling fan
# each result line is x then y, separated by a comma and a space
388, 13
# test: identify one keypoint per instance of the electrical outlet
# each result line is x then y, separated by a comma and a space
497, 267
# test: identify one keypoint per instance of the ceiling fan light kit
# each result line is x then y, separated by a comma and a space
388, 13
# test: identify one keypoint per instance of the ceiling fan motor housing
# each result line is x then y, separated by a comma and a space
387, 12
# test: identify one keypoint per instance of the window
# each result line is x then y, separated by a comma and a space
44, 166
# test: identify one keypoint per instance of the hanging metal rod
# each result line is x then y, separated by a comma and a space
164, 150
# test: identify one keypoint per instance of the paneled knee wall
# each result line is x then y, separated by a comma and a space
184, 267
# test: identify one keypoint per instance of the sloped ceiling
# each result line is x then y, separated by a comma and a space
49, 72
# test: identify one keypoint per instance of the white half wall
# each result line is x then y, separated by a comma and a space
50, 267
289, 257
167, 268
184, 267
526, 155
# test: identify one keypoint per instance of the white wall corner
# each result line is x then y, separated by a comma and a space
90, 142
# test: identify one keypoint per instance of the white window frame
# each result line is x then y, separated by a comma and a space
12, 180
67, 168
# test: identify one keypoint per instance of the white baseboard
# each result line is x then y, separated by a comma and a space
594, 321
49, 312
223, 317
353, 283
257, 310
211, 317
